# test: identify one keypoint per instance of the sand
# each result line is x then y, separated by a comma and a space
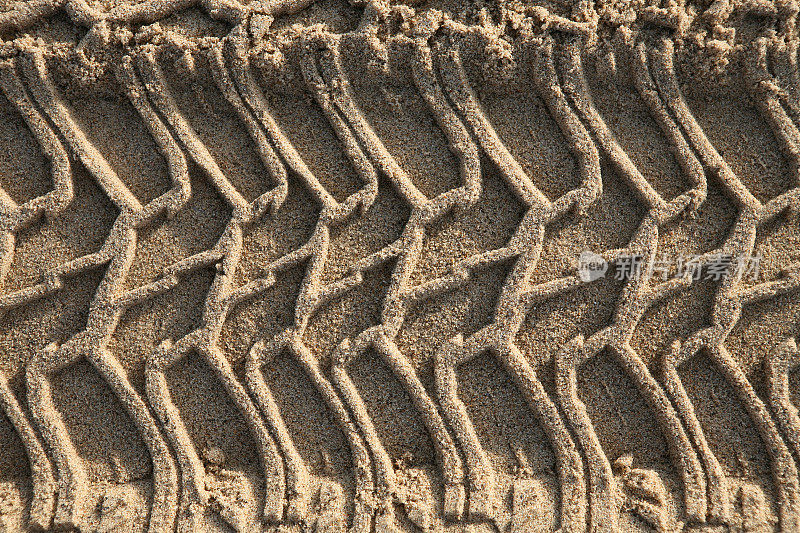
426, 266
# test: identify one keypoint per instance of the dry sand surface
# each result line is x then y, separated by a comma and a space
321, 266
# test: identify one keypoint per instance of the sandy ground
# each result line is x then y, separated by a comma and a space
317, 266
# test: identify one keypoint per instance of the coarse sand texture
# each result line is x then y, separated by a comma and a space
354, 266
